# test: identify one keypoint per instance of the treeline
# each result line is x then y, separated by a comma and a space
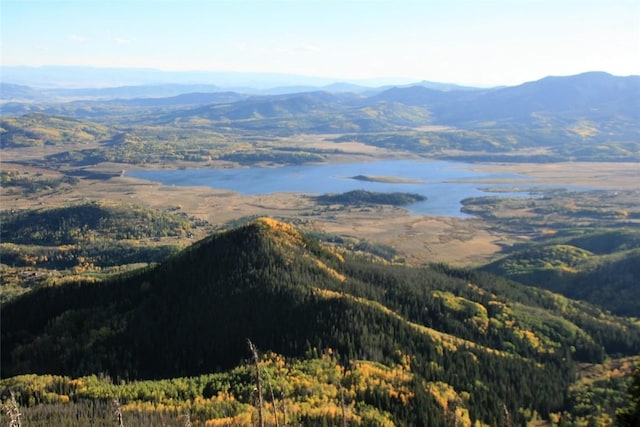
363, 197
154, 152
273, 156
32, 184
94, 254
88, 221
498, 342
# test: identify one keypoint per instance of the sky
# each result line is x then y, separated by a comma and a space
473, 42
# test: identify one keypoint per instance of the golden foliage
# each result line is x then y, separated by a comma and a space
241, 420
330, 270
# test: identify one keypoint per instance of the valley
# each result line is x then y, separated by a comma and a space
421, 239
315, 225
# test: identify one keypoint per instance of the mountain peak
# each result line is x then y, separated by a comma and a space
277, 226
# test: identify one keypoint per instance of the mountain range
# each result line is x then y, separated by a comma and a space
590, 116
590, 96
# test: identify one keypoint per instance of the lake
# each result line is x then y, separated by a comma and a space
444, 183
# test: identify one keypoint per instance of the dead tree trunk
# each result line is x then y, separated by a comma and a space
256, 361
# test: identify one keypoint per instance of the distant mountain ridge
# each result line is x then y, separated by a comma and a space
16, 92
93, 77
590, 116
593, 92
593, 95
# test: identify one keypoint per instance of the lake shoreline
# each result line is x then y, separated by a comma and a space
443, 183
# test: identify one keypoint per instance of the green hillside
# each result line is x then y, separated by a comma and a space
41, 247
40, 129
601, 267
488, 343
88, 221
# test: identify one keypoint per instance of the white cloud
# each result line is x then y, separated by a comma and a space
122, 40
77, 38
310, 48
242, 46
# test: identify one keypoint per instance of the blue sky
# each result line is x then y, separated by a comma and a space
481, 42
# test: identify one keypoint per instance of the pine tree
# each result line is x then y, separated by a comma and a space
630, 415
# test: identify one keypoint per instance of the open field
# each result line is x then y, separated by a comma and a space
610, 176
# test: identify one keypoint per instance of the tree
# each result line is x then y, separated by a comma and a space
630, 415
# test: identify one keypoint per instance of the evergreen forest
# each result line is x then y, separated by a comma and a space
409, 345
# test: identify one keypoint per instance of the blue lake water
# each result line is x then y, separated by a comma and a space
445, 184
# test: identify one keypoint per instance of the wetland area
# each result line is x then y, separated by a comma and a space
444, 183
434, 230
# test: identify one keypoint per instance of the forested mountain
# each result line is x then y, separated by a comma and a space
15, 92
499, 344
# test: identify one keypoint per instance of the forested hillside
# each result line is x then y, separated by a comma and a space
496, 346
584, 245
42, 246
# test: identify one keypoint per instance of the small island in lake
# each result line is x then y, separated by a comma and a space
386, 179
363, 197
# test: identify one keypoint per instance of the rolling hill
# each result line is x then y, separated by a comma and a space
601, 267
37, 129
500, 344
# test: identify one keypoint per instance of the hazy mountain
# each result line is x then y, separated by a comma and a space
590, 96
287, 90
445, 87
12, 92
184, 99
593, 95
128, 92
15, 92
262, 107
287, 105
83, 77
424, 96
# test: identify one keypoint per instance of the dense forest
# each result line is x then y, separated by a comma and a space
363, 197
91, 239
498, 346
